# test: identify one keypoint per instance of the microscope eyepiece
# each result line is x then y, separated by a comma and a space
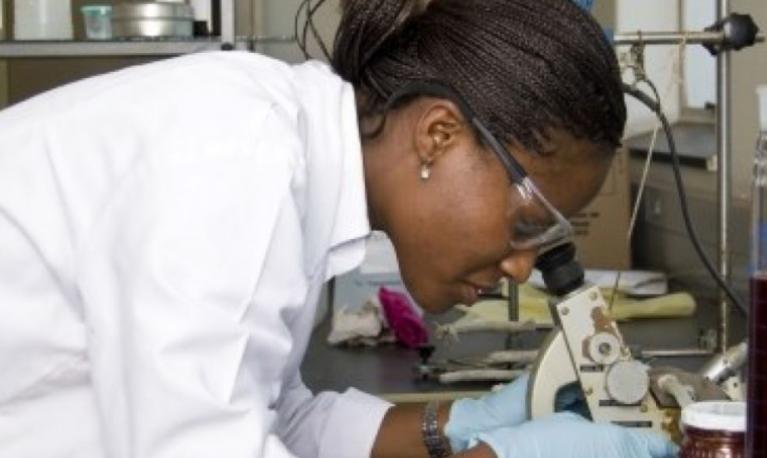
562, 274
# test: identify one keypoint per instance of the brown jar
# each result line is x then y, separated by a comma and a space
714, 430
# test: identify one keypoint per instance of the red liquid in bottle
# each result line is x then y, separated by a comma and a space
756, 429
700, 443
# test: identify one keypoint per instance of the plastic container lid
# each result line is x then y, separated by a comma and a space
761, 91
716, 415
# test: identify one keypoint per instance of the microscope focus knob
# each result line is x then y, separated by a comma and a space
604, 348
627, 382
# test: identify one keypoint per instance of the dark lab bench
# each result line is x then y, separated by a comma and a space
389, 369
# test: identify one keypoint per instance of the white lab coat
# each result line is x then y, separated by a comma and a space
164, 234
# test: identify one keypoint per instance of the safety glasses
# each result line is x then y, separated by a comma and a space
537, 224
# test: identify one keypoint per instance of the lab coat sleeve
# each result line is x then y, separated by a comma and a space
329, 425
184, 362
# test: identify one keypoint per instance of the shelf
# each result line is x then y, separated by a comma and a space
19, 49
159, 47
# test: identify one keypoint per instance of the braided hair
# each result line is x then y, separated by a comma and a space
523, 66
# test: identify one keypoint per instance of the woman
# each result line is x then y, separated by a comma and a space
165, 231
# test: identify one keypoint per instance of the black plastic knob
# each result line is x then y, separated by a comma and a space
740, 32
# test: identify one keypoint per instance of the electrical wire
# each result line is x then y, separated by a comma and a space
315, 32
306, 29
296, 20
301, 37
641, 77
656, 108
637, 205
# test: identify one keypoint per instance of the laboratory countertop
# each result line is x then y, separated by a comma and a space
389, 370
695, 142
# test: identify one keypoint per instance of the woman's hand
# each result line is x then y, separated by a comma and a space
567, 435
502, 408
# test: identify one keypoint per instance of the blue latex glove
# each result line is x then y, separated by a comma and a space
567, 435
505, 407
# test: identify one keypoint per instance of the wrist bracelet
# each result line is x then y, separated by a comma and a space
435, 444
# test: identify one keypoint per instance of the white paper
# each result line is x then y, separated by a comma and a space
632, 282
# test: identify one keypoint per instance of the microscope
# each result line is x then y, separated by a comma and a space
586, 353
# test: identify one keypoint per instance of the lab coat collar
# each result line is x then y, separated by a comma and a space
336, 212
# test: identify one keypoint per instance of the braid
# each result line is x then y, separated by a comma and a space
522, 65
362, 33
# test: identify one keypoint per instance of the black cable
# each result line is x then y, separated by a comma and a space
656, 108
315, 32
301, 43
655, 92
308, 25
305, 33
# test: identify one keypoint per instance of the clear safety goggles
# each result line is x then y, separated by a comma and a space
537, 224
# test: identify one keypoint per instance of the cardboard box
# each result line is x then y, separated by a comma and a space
601, 228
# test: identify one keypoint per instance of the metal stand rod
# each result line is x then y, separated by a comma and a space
228, 23
683, 394
724, 190
675, 353
724, 366
513, 310
671, 38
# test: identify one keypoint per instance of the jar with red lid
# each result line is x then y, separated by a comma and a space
714, 429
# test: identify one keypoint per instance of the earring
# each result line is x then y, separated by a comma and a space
425, 171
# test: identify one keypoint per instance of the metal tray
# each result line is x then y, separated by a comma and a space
152, 19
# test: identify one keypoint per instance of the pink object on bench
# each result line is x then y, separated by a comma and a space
408, 327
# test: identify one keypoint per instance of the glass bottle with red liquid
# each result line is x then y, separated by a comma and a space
756, 427
713, 429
